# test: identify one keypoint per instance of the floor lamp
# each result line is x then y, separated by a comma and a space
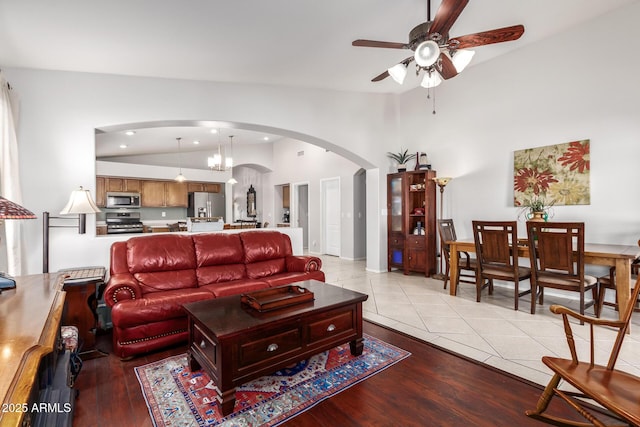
79, 203
442, 182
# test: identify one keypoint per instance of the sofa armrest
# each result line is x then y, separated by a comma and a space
121, 287
303, 263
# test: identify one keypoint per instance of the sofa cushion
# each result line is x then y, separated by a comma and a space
258, 270
220, 273
235, 287
265, 252
217, 249
162, 262
265, 245
219, 258
155, 307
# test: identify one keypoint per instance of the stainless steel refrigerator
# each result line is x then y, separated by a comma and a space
206, 205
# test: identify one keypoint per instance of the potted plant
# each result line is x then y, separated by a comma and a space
537, 209
402, 157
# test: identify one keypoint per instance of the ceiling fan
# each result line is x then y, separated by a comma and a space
439, 56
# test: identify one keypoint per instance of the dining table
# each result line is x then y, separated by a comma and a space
618, 256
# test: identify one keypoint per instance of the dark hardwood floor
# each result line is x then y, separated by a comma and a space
430, 388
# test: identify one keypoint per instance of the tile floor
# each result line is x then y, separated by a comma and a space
490, 331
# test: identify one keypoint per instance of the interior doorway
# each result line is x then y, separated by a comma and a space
300, 211
330, 190
360, 215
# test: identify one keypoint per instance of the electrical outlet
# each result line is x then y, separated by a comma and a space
164, 214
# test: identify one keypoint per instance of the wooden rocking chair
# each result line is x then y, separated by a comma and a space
617, 391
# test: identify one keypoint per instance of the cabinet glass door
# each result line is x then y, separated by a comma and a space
395, 187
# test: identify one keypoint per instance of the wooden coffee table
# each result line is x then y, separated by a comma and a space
235, 343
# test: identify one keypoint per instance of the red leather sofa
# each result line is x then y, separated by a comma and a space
152, 276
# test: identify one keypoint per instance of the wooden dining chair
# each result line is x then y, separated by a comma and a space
616, 391
466, 265
557, 261
497, 256
609, 282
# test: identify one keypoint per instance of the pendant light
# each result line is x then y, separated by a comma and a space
180, 177
229, 161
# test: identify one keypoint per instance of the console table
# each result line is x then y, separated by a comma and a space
30, 317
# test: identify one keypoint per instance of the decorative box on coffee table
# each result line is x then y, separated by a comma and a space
235, 342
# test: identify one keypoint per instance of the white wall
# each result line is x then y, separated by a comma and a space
547, 93
60, 110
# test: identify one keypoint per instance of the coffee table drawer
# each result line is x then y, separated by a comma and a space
333, 324
205, 345
263, 349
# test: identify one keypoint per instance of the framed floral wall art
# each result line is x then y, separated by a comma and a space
554, 174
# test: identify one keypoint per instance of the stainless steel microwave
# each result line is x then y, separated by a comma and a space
123, 200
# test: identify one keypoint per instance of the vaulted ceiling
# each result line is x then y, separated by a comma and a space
299, 43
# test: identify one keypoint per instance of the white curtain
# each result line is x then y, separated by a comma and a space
9, 173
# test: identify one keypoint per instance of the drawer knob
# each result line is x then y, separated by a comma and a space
272, 347
203, 344
331, 328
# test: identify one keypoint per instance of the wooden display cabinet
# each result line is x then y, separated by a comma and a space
411, 222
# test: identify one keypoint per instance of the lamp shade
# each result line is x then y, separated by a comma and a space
10, 210
398, 72
442, 181
80, 202
427, 53
462, 58
232, 181
431, 79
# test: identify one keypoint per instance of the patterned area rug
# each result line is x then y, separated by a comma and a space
178, 397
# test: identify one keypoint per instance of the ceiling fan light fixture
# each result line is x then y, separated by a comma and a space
431, 79
427, 53
398, 72
461, 58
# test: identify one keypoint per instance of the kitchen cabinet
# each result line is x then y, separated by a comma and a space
106, 184
411, 222
152, 194
159, 194
122, 184
155, 193
285, 197
206, 187
176, 194
101, 195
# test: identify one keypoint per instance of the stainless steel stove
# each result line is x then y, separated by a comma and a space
123, 222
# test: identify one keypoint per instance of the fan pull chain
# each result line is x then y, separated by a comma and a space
434, 101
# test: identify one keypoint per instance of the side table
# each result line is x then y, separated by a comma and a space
82, 286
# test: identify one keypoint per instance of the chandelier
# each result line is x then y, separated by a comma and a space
219, 161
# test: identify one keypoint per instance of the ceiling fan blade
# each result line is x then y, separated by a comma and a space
375, 43
499, 35
384, 75
446, 15
381, 76
448, 69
